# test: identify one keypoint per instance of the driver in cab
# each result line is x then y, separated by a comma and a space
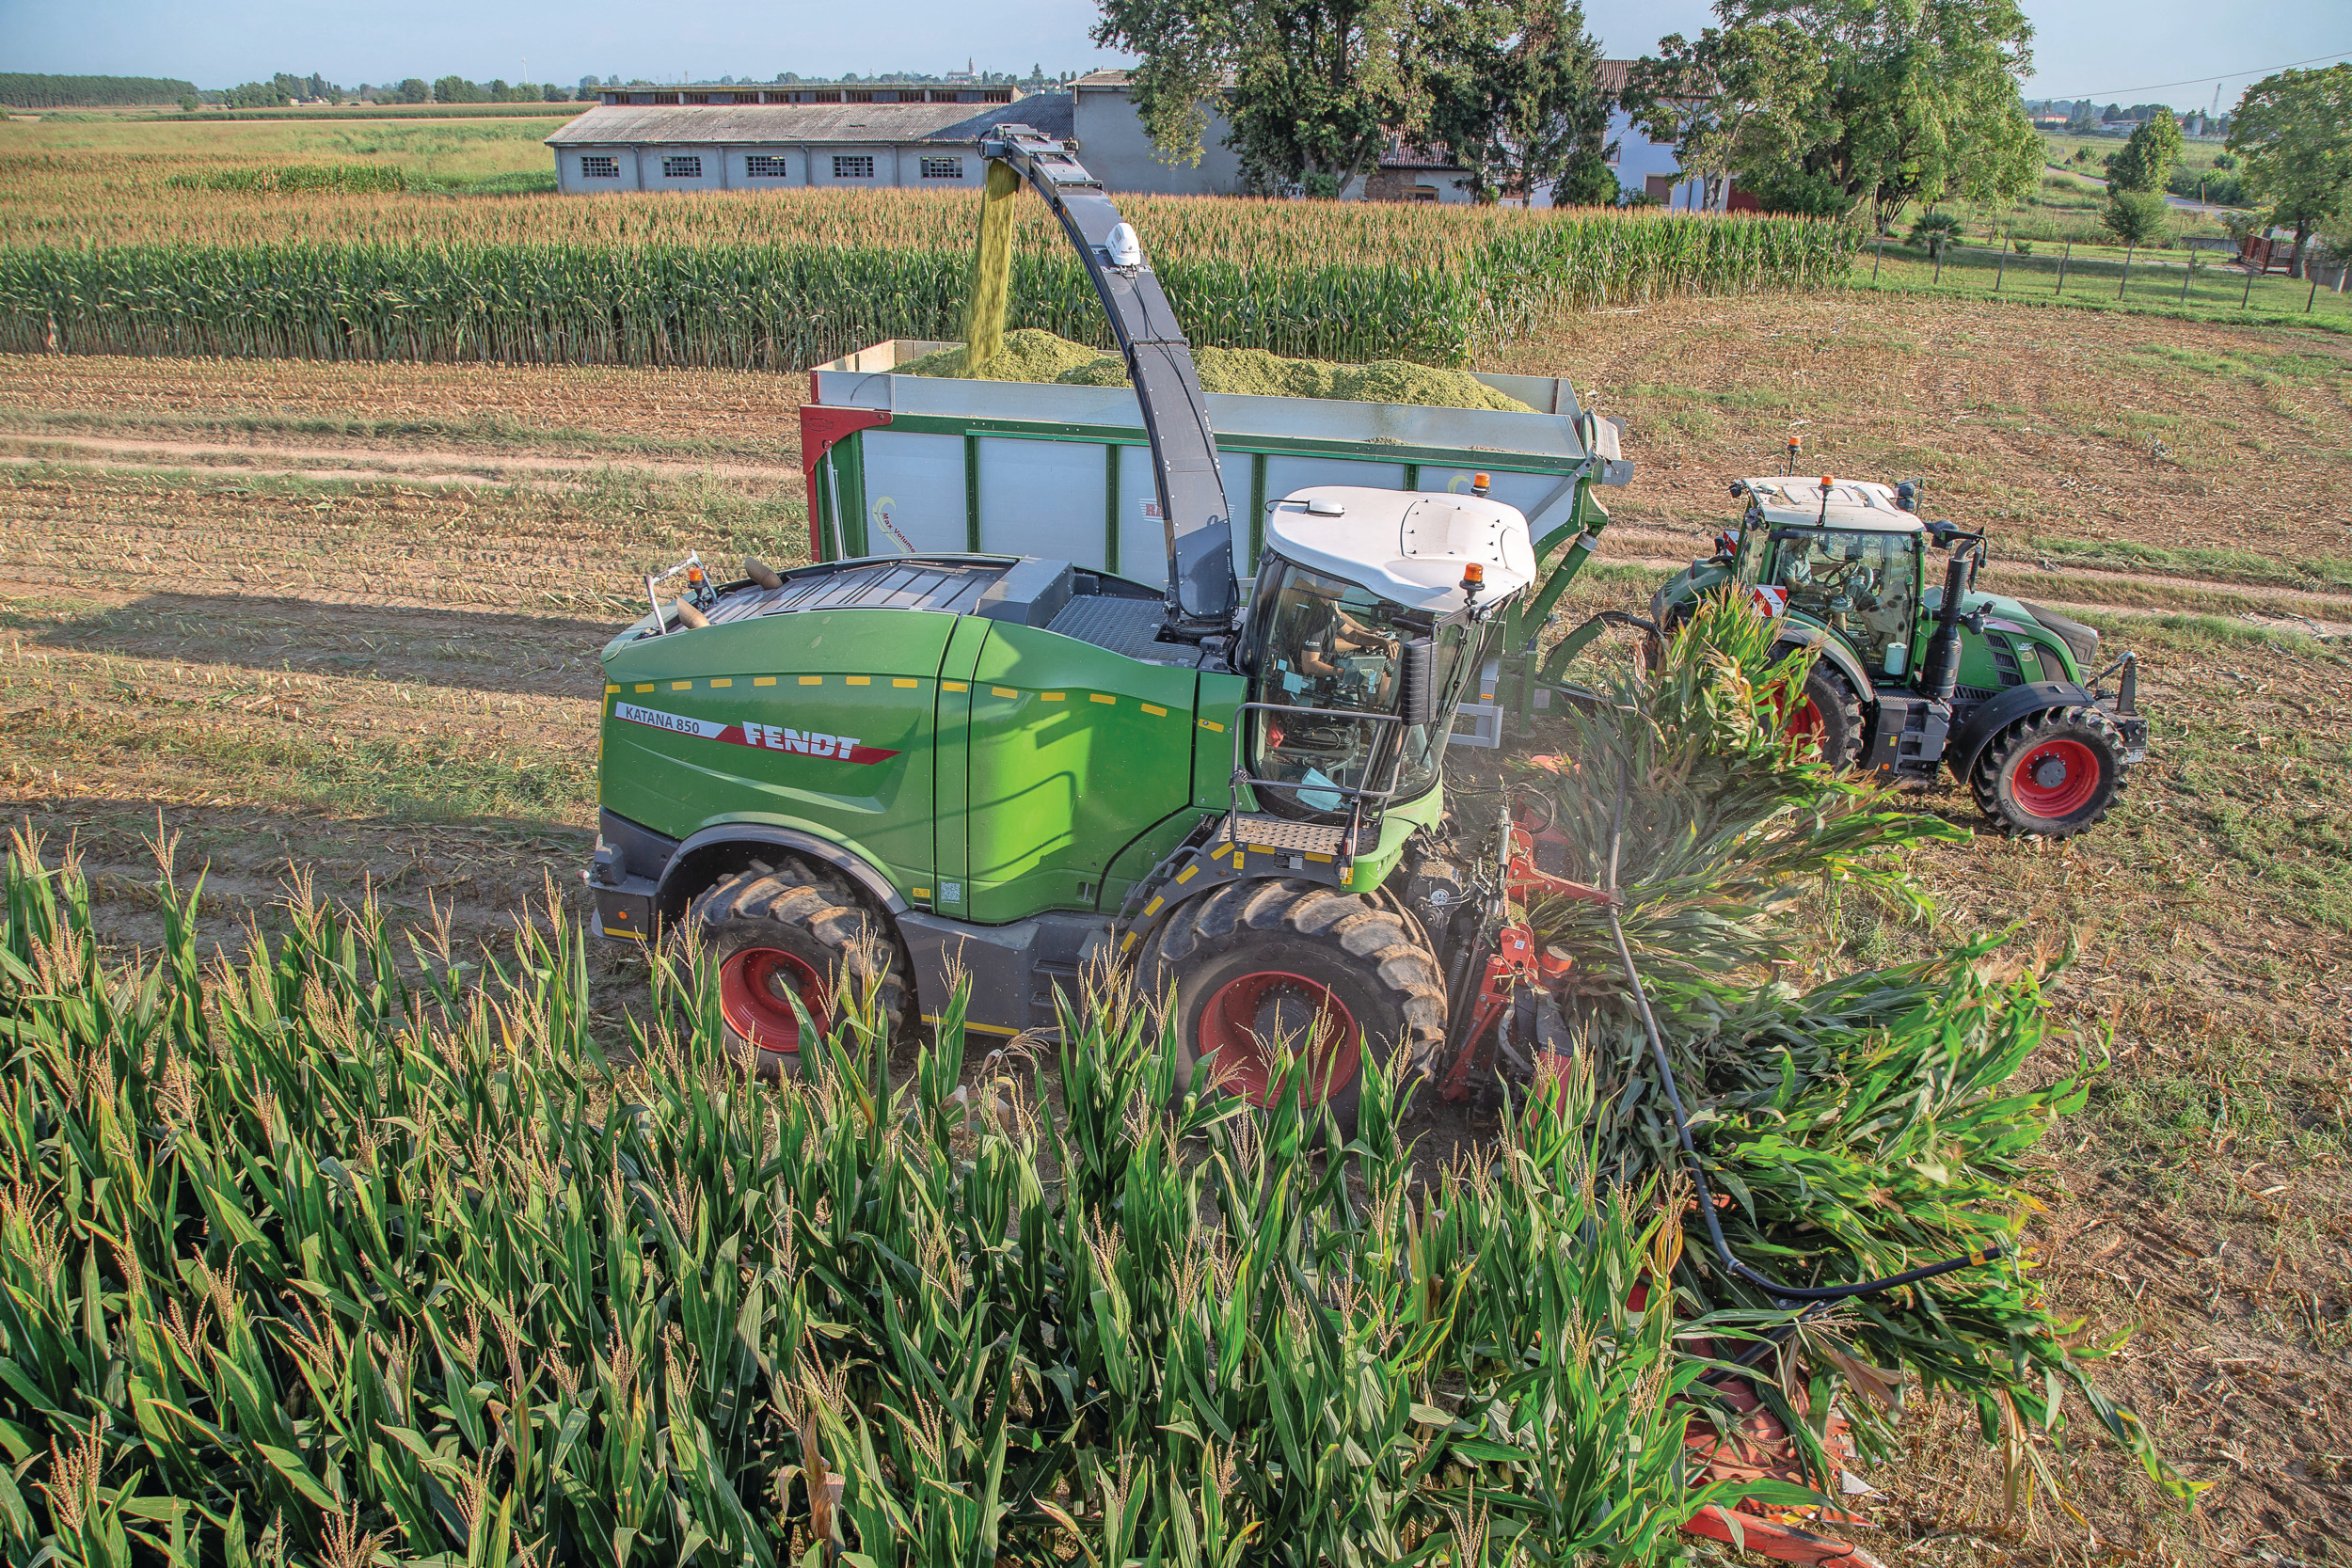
1329, 635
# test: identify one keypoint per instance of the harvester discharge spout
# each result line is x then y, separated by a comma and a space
1199, 520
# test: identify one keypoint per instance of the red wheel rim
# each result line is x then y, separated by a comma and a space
1243, 1019
1803, 724
2056, 778
755, 988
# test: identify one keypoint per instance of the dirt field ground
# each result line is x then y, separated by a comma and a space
341, 621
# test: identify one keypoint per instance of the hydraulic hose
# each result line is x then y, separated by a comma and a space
1786, 1294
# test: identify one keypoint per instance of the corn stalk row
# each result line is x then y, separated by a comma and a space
783, 305
346, 1249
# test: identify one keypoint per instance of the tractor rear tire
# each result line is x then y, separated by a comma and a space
798, 927
1829, 709
2051, 774
1350, 980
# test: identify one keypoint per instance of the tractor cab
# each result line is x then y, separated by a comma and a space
1365, 627
1848, 557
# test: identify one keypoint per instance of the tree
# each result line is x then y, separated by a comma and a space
2147, 159
414, 90
2135, 217
1313, 89
2293, 131
1832, 107
455, 89
1515, 95
555, 94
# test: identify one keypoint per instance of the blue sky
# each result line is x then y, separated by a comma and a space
2116, 50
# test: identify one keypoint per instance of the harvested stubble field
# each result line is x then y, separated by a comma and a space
388, 684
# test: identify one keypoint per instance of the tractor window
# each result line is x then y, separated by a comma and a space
1862, 584
1323, 642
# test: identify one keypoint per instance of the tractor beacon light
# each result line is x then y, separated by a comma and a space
1796, 449
1473, 579
1826, 482
1479, 483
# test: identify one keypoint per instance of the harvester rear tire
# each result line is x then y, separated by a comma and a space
2051, 774
803, 927
1300, 958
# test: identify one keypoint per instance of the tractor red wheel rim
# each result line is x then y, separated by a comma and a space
1803, 724
2056, 778
755, 988
1243, 1019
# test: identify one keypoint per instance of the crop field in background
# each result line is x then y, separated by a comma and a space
339, 620
252, 240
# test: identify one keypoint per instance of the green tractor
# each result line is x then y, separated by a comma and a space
1912, 677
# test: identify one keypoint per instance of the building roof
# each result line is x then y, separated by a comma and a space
1611, 75
670, 124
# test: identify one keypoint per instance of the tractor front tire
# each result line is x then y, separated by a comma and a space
798, 928
1829, 711
1346, 981
2051, 774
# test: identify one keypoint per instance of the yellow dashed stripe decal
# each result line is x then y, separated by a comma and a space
763, 680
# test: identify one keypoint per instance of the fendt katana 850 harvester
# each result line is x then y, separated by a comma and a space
920, 770
1002, 768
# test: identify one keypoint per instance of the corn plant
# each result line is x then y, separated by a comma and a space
348, 1247
1857, 1128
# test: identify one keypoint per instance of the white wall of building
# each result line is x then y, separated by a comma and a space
1643, 164
1116, 149
790, 166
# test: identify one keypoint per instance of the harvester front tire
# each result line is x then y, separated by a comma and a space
2051, 774
1829, 711
795, 927
1335, 970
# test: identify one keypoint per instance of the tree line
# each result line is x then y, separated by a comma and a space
1830, 108
29, 89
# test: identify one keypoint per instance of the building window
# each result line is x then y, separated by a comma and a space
764, 166
695, 98
860, 95
682, 166
599, 166
853, 166
943, 168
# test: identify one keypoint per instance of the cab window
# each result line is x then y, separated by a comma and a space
1862, 584
1324, 642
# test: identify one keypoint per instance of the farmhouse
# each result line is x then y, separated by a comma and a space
742, 136
770, 136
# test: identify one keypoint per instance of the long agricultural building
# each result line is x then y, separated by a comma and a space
729, 137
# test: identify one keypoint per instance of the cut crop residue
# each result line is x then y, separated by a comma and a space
1036, 356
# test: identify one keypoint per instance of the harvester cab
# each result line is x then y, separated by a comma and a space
1911, 674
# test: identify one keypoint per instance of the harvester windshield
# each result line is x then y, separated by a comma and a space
1321, 643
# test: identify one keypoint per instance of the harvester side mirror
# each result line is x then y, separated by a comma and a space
1907, 495
1417, 697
